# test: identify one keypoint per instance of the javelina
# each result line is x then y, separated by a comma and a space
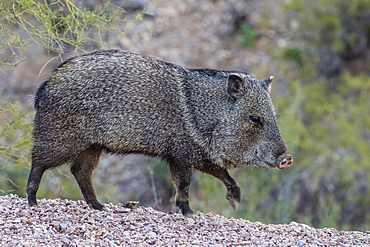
120, 102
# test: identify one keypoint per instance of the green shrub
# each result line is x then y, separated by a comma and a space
249, 35
15, 145
56, 25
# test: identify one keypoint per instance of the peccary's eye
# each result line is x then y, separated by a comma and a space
255, 120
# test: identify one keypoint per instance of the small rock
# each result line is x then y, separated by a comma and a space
130, 204
62, 226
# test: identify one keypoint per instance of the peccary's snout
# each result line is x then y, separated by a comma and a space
286, 161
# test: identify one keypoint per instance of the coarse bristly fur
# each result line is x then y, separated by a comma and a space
121, 102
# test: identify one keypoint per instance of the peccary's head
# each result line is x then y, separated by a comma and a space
248, 133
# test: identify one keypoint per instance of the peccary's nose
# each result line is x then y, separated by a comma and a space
286, 162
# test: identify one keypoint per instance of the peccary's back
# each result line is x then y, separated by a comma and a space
126, 102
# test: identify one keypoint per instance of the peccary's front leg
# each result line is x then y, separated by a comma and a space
181, 176
233, 189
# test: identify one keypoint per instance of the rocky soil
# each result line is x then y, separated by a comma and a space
72, 223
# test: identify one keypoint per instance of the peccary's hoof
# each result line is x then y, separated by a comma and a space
234, 203
233, 196
286, 162
183, 208
189, 214
186, 213
32, 205
96, 205
32, 201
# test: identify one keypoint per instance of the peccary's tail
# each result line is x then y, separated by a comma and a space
40, 94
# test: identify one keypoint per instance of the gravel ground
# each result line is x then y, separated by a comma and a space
72, 223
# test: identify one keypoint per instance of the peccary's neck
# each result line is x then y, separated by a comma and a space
204, 99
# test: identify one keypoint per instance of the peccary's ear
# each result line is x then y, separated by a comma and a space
235, 86
266, 83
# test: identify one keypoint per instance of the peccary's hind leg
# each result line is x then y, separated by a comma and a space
233, 189
33, 183
43, 157
181, 176
82, 167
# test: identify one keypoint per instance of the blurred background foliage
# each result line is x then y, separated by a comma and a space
324, 112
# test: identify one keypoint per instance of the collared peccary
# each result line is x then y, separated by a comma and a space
120, 102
